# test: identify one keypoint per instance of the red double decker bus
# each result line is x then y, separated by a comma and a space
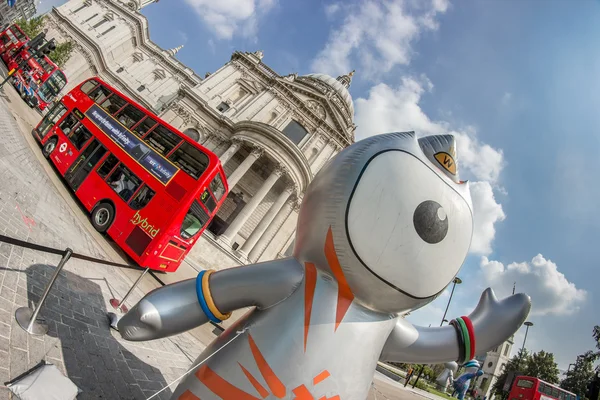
11, 39
39, 89
150, 187
530, 388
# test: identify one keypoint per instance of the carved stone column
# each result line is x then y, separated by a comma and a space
273, 229
241, 170
230, 152
249, 208
264, 223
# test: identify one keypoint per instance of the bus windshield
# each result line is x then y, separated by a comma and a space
55, 83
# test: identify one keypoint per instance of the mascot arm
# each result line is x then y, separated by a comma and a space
491, 323
185, 305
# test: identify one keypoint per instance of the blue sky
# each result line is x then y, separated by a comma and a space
517, 82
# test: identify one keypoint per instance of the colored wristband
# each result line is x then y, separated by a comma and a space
471, 331
209, 300
465, 333
202, 300
461, 342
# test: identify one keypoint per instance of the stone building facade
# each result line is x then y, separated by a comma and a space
271, 132
493, 365
24, 9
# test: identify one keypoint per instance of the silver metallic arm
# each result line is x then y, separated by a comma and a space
493, 323
174, 308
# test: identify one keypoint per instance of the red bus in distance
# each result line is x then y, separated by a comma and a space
151, 188
530, 388
11, 39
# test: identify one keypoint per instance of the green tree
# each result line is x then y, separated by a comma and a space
576, 379
542, 365
32, 27
62, 53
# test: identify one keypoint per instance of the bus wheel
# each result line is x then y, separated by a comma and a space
49, 147
102, 216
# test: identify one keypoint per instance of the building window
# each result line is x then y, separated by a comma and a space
223, 107
90, 18
490, 364
121, 69
104, 20
506, 349
295, 132
106, 31
142, 87
80, 8
192, 134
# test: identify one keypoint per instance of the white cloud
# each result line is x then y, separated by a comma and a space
378, 34
227, 18
487, 212
184, 37
549, 289
388, 110
332, 9
506, 98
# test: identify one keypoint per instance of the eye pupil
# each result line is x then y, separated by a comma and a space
431, 221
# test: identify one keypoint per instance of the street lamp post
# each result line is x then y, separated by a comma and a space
456, 281
527, 324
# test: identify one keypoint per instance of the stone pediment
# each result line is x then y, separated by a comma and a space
316, 99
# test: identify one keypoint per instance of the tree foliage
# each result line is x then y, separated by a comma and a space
577, 378
542, 365
62, 53
32, 27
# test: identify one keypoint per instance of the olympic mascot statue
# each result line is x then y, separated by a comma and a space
383, 228
447, 376
462, 383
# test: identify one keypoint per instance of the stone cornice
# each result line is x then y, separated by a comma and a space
279, 84
142, 38
93, 50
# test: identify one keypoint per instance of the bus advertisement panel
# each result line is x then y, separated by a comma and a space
151, 188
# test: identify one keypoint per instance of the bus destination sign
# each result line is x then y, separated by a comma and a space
133, 145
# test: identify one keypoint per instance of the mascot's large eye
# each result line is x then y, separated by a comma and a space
431, 222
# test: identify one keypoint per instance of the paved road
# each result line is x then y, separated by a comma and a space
35, 206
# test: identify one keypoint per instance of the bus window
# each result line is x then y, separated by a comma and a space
208, 200
51, 118
130, 116
142, 198
124, 182
142, 128
99, 94
524, 383
162, 140
194, 221
79, 136
190, 159
107, 166
217, 187
113, 104
88, 86
555, 392
68, 124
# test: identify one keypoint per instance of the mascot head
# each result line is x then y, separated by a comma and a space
390, 217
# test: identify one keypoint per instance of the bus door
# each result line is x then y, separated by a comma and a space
84, 164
